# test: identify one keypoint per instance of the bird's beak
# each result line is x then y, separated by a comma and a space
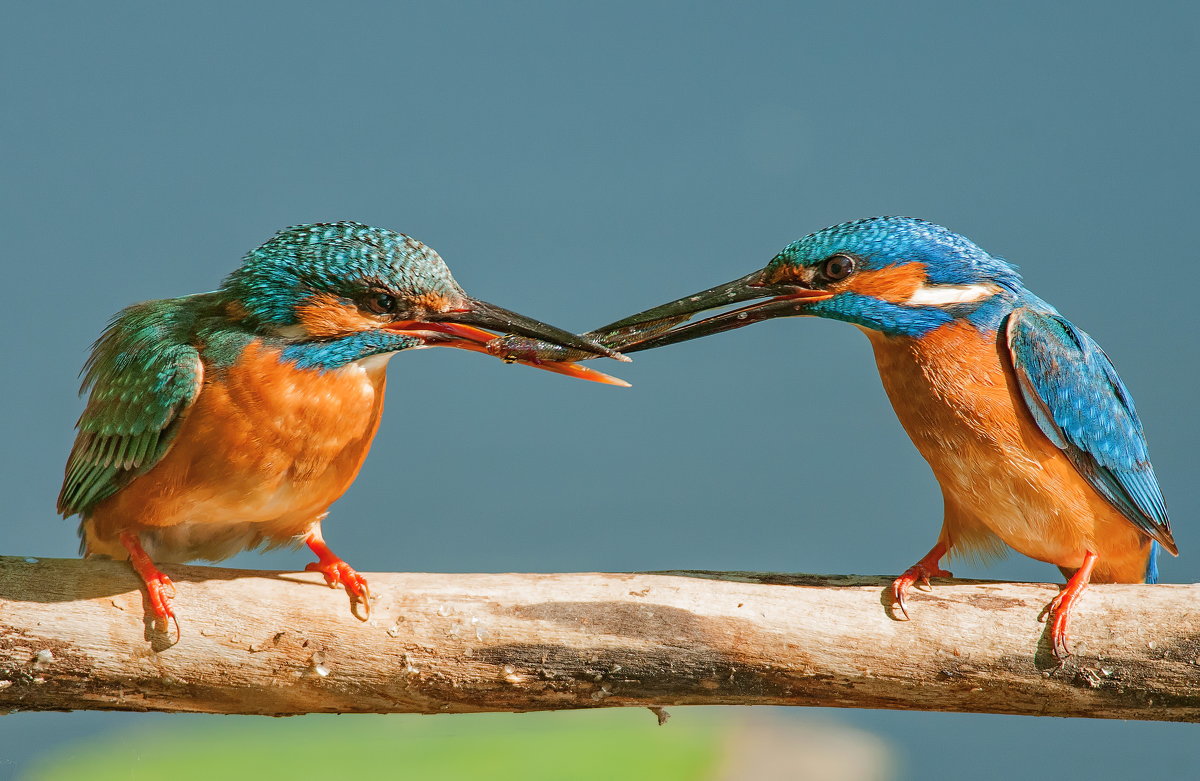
462, 327
663, 325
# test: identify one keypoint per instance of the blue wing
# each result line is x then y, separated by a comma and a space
1081, 404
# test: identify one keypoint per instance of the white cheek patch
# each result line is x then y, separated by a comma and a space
941, 295
373, 362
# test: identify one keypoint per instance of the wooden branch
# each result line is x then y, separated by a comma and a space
73, 634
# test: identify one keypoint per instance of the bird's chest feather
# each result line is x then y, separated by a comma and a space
954, 392
949, 388
266, 442
275, 417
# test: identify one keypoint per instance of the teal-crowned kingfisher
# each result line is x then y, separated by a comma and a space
1023, 419
225, 421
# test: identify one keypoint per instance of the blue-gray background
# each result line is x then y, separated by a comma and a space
578, 162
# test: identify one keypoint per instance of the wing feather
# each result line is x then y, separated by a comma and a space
1081, 405
142, 375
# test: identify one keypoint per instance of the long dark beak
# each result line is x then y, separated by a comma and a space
463, 327
485, 315
661, 325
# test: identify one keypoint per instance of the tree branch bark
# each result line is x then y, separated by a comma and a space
75, 635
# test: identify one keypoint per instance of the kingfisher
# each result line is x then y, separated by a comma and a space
1029, 431
232, 420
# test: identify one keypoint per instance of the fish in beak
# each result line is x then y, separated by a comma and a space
463, 327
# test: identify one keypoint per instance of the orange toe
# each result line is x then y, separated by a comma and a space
1059, 609
920, 572
339, 573
160, 590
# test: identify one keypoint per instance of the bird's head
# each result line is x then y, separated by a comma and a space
329, 280
896, 275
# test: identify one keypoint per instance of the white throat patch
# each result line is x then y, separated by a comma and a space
373, 362
941, 295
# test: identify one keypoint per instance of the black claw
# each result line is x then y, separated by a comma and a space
364, 600
1059, 636
161, 625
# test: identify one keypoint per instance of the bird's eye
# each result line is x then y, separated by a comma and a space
381, 303
838, 267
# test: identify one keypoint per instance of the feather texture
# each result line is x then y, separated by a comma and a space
143, 375
1081, 405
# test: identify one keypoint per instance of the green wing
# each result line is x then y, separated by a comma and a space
143, 374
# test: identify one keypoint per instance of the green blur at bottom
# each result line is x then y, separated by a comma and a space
564, 746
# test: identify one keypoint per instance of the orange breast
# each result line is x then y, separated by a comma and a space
955, 394
263, 452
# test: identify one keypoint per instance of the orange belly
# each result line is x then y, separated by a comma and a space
263, 452
955, 394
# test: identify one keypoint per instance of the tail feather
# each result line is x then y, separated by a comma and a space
1152, 563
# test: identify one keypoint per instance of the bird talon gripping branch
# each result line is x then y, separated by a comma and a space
339, 574
342, 575
917, 576
160, 590
1022, 417
223, 421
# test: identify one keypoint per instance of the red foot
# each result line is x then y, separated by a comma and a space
159, 587
921, 572
339, 573
1059, 609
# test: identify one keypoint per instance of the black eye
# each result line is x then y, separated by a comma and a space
837, 267
381, 303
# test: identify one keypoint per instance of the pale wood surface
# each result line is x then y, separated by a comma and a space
73, 634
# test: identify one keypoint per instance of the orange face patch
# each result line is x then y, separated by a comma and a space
783, 275
893, 283
436, 302
327, 315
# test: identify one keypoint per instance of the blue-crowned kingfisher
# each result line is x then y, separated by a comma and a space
229, 420
1027, 427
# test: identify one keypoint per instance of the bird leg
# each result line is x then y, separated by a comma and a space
1059, 609
159, 587
338, 572
920, 572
